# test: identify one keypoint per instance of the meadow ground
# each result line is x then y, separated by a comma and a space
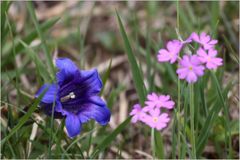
121, 40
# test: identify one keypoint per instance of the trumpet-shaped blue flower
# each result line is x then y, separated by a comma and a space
74, 97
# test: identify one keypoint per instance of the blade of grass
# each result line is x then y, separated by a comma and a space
114, 94
106, 76
232, 54
8, 56
184, 18
220, 102
226, 112
107, 141
203, 99
137, 78
179, 93
159, 149
39, 65
230, 30
214, 16
77, 140
4, 9
141, 90
204, 132
174, 135
14, 53
153, 145
40, 34
24, 119
191, 90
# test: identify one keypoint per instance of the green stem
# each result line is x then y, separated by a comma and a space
179, 96
178, 15
51, 128
178, 118
192, 120
153, 142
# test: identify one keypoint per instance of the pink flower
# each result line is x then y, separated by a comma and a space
190, 68
157, 120
209, 58
171, 53
154, 100
204, 39
137, 113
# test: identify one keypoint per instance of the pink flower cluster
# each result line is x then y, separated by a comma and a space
151, 113
192, 66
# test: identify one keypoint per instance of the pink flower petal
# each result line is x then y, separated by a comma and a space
212, 53
191, 77
134, 119
182, 73
211, 65
213, 42
201, 52
195, 37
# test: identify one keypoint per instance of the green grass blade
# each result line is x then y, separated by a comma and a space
214, 16
205, 131
14, 53
106, 76
232, 53
39, 65
40, 34
137, 78
24, 119
107, 141
153, 145
159, 149
77, 140
4, 9
8, 54
226, 113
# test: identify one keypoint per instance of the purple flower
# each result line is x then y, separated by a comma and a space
190, 68
204, 39
171, 53
151, 113
75, 97
156, 119
210, 59
158, 101
137, 113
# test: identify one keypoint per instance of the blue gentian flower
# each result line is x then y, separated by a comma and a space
74, 97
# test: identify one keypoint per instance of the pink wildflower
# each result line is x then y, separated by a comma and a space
137, 113
210, 59
171, 53
157, 120
154, 100
190, 68
204, 39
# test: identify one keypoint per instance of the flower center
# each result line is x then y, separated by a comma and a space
208, 59
190, 68
71, 95
155, 119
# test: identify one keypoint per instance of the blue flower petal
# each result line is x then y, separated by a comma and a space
73, 125
91, 80
67, 69
84, 84
51, 94
58, 111
95, 109
47, 109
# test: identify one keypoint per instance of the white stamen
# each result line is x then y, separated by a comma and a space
72, 95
